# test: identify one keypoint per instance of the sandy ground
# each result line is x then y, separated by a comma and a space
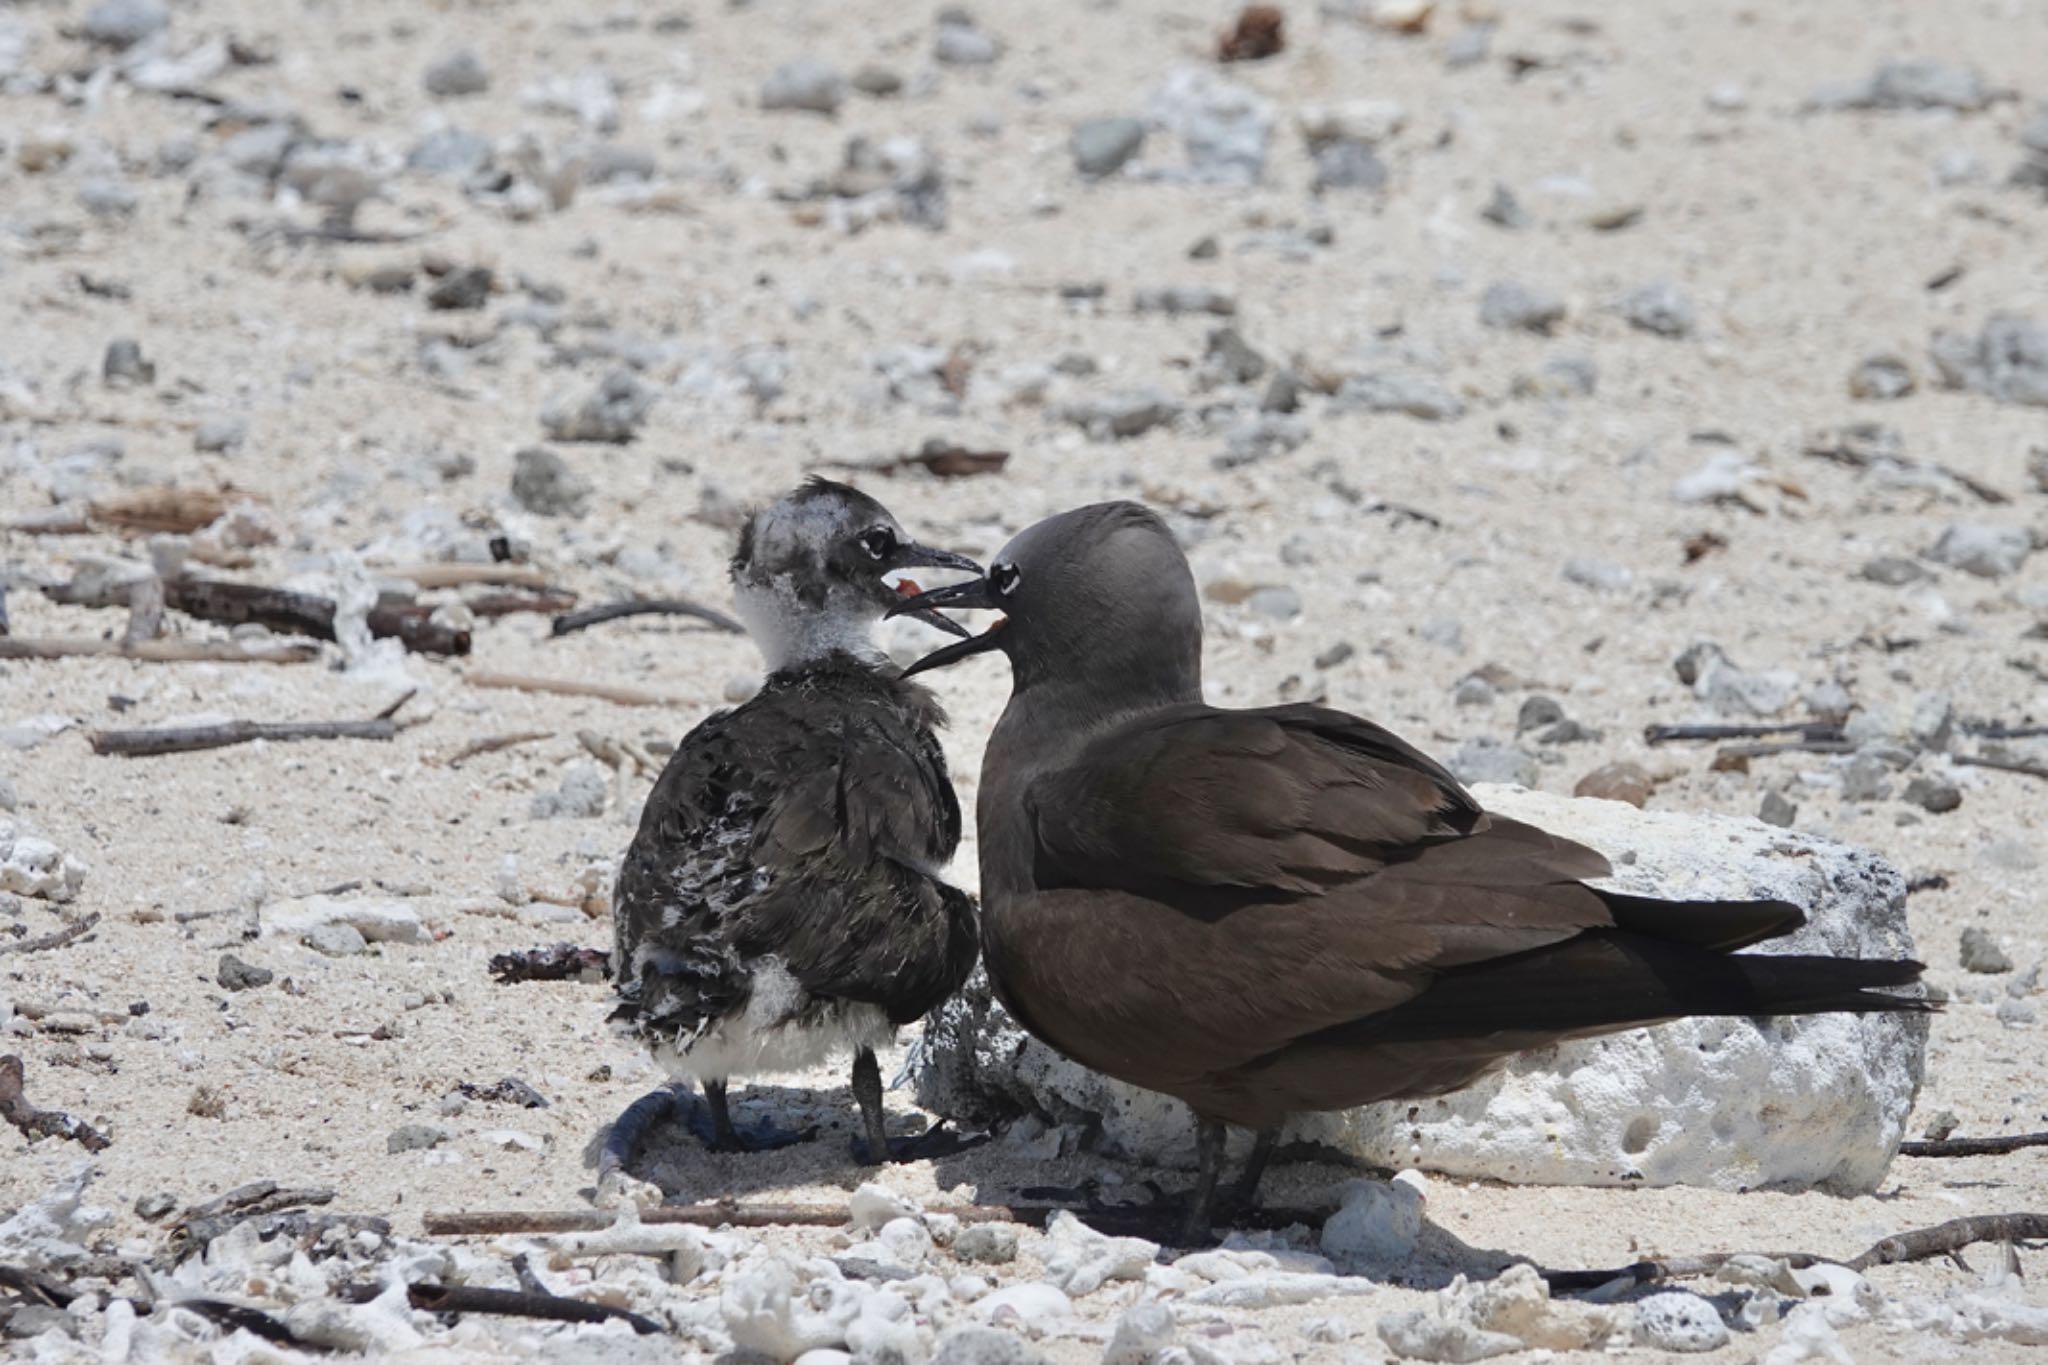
1806, 241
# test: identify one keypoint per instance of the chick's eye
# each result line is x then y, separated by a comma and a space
1004, 578
878, 542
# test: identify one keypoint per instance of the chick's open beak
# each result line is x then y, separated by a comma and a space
924, 556
972, 595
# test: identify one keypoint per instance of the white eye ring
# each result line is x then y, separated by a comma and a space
1004, 578
878, 542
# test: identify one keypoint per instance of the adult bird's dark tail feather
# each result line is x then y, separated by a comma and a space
1615, 979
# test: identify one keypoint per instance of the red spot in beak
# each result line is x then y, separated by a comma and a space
906, 587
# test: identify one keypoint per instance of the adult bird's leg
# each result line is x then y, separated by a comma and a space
1245, 1194
1202, 1199
723, 1136
867, 1089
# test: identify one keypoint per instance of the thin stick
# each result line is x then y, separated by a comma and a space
304, 613
153, 651
34, 1122
570, 687
1765, 749
519, 1303
546, 601
463, 575
490, 744
1981, 1146
571, 621
2004, 765
1805, 729
235, 1316
70, 933
184, 739
1998, 730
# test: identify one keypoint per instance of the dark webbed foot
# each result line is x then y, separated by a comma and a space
1201, 1213
933, 1144
710, 1119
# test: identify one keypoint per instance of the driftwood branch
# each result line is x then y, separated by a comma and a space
56, 938
2004, 765
465, 575
1982, 1146
302, 613
569, 687
1809, 730
569, 622
545, 602
491, 744
185, 739
152, 651
521, 1303
37, 1123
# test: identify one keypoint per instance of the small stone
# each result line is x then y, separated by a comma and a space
1121, 416
2037, 468
613, 413
123, 364
1562, 377
1881, 377
1982, 549
1516, 307
104, 198
1601, 575
1538, 711
807, 85
1469, 46
1260, 437
1102, 146
236, 975
1894, 571
1283, 392
986, 1244
30, 1320
1231, 358
1473, 690
1933, 722
459, 73
1502, 209
454, 152
1176, 300
124, 23
1866, 777
1225, 128
1414, 395
1336, 654
581, 796
336, 940
1142, 1334
985, 1346
2008, 359
1914, 83
877, 81
1377, 1223
2016, 1013
461, 290
1981, 953
1942, 1125
1660, 309
151, 1207
1677, 1321
218, 435
1829, 701
1445, 632
961, 43
1348, 163
544, 484
1777, 810
2009, 855
1489, 760
1616, 782
1280, 603
414, 1137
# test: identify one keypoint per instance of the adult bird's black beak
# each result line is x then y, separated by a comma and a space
915, 556
973, 595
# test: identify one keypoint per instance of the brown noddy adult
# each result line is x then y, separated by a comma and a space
1288, 908
782, 899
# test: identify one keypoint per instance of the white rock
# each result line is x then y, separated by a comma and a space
1808, 1336
378, 921
51, 1230
873, 1206
1722, 1103
1273, 1288
1361, 120
1842, 1294
1224, 127
1144, 1330
30, 866
1378, 1223
382, 1325
1081, 1260
1678, 1321
762, 1312
1030, 1303
1512, 1312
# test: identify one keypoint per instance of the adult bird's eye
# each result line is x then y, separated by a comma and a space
878, 542
1004, 578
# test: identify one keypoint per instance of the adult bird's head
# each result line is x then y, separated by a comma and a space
816, 571
1100, 597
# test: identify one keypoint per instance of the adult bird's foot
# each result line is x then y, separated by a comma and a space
762, 1135
934, 1143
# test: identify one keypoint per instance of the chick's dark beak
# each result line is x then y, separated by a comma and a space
972, 595
915, 556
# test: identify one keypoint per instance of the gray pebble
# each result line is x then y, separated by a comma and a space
1568, 731
1226, 129
34, 1319
414, 1137
878, 81
1777, 810
1102, 146
1120, 416
1894, 571
1231, 358
1866, 777
1489, 760
1660, 309
1678, 1321
1562, 377
1445, 632
9, 798
236, 975
1283, 392
123, 363
986, 1244
2037, 467
1473, 690
1933, 722
2008, 359
454, 152
1502, 209
1174, 300
1881, 377
1982, 549
459, 73
1336, 654
1469, 46
580, 797
1981, 953
2016, 1013
218, 435
806, 84
1602, 575
461, 290
985, 1346
612, 413
1517, 307
1538, 710
544, 484
1260, 437
1348, 163
1915, 83
1942, 1125
1414, 395
1280, 603
1829, 701
104, 198
151, 1207
124, 23
335, 940
957, 43
1933, 795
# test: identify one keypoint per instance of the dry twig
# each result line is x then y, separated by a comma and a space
572, 621
56, 938
1980, 1146
35, 1123
185, 739
569, 687
490, 744
153, 651
1812, 730
2004, 765
518, 1303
